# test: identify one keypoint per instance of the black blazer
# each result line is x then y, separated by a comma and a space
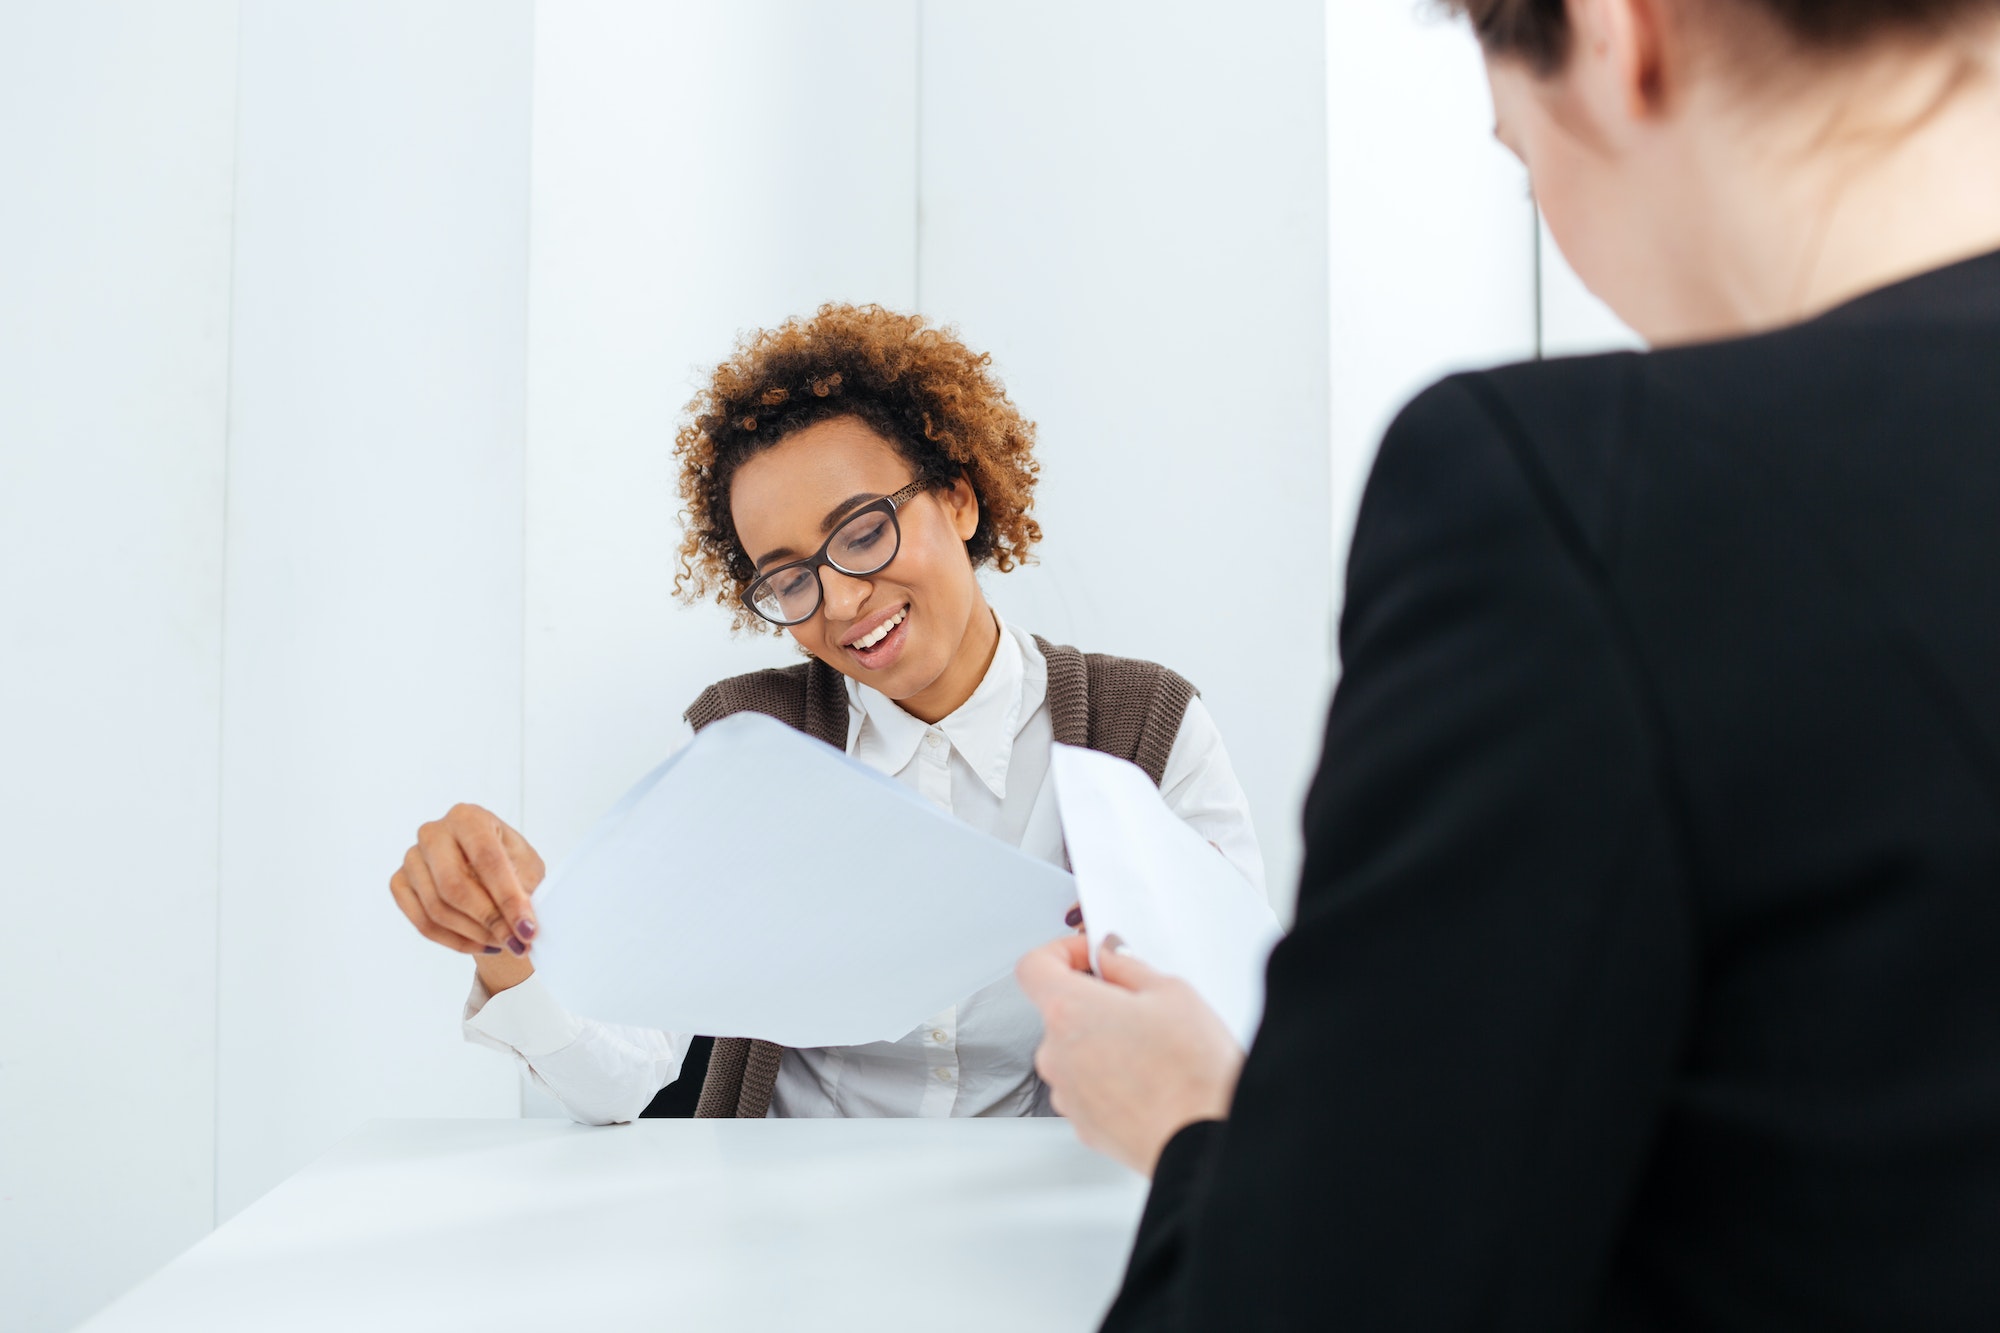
1647, 964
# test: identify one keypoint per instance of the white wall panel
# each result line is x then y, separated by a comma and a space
115, 152
1126, 204
1574, 321
700, 169
373, 646
1432, 231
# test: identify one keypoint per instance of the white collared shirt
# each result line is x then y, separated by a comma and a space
988, 764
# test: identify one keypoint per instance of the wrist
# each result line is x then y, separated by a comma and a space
498, 972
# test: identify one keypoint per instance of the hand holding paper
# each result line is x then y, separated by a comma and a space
1157, 1042
1145, 876
1131, 1058
762, 884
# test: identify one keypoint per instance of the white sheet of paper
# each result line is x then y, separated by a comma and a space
762, 884
1171, 898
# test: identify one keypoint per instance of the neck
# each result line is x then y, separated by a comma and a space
956, 683
1884, 170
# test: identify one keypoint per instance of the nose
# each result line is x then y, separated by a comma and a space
844, 594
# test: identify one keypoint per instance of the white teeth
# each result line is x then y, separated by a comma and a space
880, 632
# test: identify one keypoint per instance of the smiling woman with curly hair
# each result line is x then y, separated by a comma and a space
913, 385
844, 478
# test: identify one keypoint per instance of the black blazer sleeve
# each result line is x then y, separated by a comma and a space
1446, 1111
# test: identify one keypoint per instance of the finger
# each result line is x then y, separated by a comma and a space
1120, 968
1035, 970
406, 898
439, 912
437, 934
1053, 1067
1045, 971
456, 883
478, 834
527, 861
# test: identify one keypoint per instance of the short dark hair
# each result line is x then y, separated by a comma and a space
1537, 31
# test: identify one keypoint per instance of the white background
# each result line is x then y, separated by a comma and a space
340, 352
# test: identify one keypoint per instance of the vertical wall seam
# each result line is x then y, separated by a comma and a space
1336, 552
222, 628
1535, 236
917, 170
527, 351
1336, 503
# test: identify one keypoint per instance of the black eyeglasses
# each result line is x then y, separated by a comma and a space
864, 543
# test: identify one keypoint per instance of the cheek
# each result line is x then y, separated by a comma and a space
810, 636
1558, 173
939, 564
1555, 200
1552, 171
1579, 217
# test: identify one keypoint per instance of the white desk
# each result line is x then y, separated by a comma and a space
819, 1226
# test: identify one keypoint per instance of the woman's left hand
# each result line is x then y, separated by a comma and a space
1130, 1058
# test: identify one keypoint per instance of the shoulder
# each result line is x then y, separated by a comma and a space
780, 692
1537, 440
1593, 433
1110, 673
1564, 447
1122, 706
1494, 494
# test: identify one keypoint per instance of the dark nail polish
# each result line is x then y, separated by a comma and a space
526, 930
1074, 917
491, 948
516, 945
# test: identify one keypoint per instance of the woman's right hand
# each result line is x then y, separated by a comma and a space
466, 883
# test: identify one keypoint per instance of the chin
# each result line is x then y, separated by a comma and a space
908, 678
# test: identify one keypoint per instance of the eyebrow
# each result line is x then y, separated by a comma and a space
826, 526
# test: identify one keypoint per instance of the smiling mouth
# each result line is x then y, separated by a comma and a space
879, 633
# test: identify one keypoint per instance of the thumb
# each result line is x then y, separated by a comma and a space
527, 861
1049, 967
1121, 969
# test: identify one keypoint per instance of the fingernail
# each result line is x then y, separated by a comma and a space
516, 945
526, 930
1073, 917
1113, 943
491, 948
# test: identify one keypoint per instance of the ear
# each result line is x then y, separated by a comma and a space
1624, 54
962, 503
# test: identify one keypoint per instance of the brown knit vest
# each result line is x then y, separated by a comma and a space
1123, 707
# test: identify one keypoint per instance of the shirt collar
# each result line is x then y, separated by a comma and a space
982, 729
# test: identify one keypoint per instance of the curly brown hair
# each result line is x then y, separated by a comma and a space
914, 384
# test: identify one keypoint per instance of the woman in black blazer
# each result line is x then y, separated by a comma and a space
1647, 965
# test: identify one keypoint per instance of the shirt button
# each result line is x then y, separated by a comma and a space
944, 1075
937, 1035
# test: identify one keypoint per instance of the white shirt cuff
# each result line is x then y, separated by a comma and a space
525, 1017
